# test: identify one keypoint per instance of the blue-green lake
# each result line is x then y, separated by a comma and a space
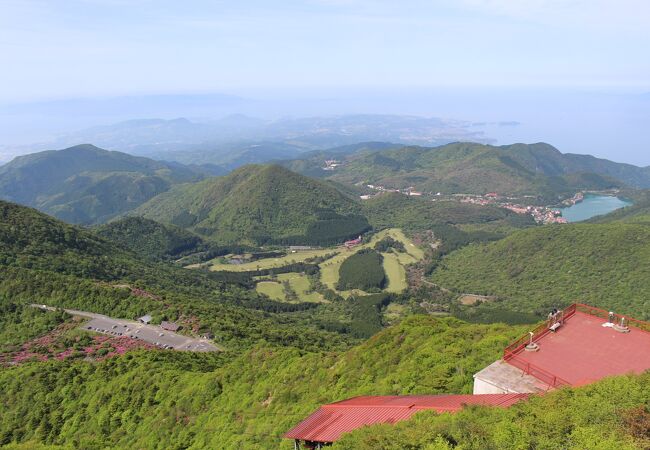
593, 205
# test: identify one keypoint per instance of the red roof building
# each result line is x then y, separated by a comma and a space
580, 345
575, 346
329, 422
353, 242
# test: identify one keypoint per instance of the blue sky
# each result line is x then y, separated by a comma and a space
76, 48
574, 73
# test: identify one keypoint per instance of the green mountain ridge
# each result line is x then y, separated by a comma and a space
260, 204
279, 361
85, 184
520, 169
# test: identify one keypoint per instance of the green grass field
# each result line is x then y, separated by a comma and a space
274, 290
393, 263
298, 282
395, 273
271, 263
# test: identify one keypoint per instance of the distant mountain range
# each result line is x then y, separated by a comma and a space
519, 169
237, 137
257, 204
85, 184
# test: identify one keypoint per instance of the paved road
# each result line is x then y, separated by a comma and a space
152, 334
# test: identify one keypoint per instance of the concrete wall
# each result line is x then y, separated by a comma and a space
483, 387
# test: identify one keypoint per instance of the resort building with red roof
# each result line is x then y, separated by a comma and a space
575, 346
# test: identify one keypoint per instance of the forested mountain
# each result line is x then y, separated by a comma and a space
520, 169
282, 360
604, 265
260, 204
152, 239
85, 184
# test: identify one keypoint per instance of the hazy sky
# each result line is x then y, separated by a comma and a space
74, 48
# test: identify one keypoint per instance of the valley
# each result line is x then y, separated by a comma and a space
294, 291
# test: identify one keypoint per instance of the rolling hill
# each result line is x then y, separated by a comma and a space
85, 184
416, 214
151, 239
260, 204
533, 270
536, 169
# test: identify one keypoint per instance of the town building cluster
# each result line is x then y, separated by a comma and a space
410, 191
541, 214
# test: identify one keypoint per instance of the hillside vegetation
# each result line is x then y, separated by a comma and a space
45, 261
152, 239
251, 400
260, 204
414, 214
538, 170
536, 269
246, 402
363, 270
85, 184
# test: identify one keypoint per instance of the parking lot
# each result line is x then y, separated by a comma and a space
148, 333
152, 334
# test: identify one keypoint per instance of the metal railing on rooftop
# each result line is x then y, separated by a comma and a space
593, 311
510, 354
548, 378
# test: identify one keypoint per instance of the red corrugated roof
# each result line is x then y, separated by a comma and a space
329, 422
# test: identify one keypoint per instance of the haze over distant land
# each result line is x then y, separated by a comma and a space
571, 73
609, 123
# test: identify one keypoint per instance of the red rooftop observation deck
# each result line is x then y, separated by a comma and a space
577, 351
582, 350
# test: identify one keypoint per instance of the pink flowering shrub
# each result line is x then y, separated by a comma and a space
66, 342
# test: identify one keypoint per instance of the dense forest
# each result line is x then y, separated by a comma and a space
541, 268
152, 239
161, 399
258, 205
363, 270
